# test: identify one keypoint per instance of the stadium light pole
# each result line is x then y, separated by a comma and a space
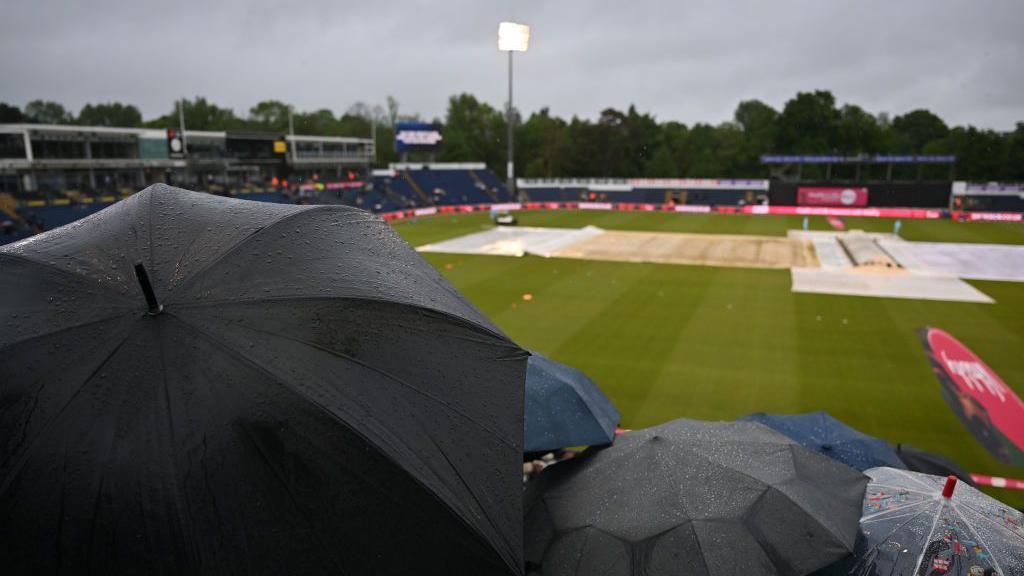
512, 37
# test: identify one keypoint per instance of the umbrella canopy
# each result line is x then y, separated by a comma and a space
931, 463
565, 408
194, 384
693, 497
821, 432
917, 524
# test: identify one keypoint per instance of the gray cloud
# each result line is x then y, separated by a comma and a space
690, 60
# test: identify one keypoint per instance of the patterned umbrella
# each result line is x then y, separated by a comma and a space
923, 525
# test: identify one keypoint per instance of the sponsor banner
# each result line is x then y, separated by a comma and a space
332, 186
832, 196
991, 216
507, 206
636, 207
985, 405
424, 211
642, 207
912, 213
998, 482
758, 209
692, 208
698, 184
344, 185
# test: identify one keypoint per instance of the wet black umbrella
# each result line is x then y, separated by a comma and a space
693, 497
193, 384
932, 463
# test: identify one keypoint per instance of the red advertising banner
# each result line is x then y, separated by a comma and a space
847, 212
759, 209
832, 196
989, 216
985, 405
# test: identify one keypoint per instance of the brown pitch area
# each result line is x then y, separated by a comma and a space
696, 249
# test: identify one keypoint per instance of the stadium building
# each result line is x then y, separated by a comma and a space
48, 161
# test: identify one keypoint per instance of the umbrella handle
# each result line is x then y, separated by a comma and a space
147, 289
947, 490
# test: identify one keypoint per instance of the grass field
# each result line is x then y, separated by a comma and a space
717, 343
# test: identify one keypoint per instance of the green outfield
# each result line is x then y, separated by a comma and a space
717, 343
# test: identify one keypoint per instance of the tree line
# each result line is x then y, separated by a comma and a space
618, 143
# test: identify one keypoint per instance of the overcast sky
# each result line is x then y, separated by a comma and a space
687, 60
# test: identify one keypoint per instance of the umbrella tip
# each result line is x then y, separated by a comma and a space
147, 289
947, 490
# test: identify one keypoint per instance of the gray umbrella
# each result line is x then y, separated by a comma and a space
694, 497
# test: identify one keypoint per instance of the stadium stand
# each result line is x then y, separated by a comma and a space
397, 188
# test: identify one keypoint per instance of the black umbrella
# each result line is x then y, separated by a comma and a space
931, 463
198, 384
693, 497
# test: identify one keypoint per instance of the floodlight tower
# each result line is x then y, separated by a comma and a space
512, 37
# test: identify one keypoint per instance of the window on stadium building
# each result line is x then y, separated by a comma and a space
57, 148
12, 146
125, 148
206, 148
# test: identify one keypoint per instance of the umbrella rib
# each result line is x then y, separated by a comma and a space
796, 502
916, 479
887, 511
892, 487
325, 410
384, 373
76, 275
186, 511
149, 226
480, 505
124, 313
897, 528
286, 218
978, 536
291, 494
928, 538
974, 509
229, 302
16, 469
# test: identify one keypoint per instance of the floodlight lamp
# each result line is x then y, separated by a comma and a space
513, 37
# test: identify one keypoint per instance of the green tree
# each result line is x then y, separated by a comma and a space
808, 123
322, 122
542, 146
661, 164
10, 114
110, 114
201, 114
47, 112
980, 154
918, 128
857, 131
758, 122
270, 116
474, 131
1015, 155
